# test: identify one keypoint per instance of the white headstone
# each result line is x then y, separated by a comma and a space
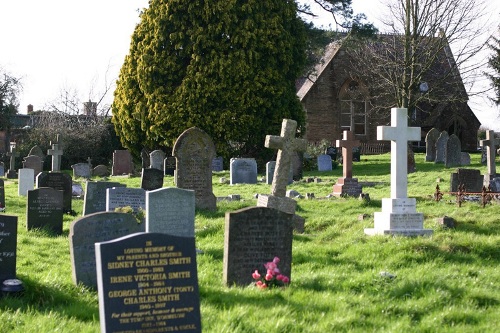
26, 181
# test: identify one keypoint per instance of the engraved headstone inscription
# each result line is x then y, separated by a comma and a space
169, 165
85, 231
122, 163
148, 282
252, 237
2, 195
243, 171
59, 181
324, 162
134, 198
156, 160
33, 162
8, 246
45, 210
95, 196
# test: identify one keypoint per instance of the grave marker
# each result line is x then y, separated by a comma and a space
441, 147
8, 246
85, 231
324, 162
490, 144
252, 237
56, 153
45, 210
122, 163
398, 214
453, 152
169, 165
148, 282
2, 195
59, 181
33, 162
243, 171
134, 198
2, 169
83, 170
347, 185
26, 181
430, 144
194, 151
470, 178
95, 196
156, 160
217, 164
151, 179
12, 173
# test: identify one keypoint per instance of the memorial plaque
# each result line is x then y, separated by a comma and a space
243, 171
124, 196
151, 179
90, 229
171, 210
8, 246
58, 181
45, 210
95, 196
148, 282
252, 237
324, 162
169, 165
122, 163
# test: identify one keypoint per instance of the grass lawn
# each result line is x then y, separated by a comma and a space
448, 282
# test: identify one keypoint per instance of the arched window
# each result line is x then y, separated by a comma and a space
353, 107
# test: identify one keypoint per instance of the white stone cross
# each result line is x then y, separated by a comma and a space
399, 133
347, 143
286, 145
56, 153
490, 144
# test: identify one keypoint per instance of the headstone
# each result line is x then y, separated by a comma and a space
56, 153
169, 165
59, 181
464, 158
495, 184
148, 282
297, 165
156, 160
441, 147
134, 198
347, 185
411, 167
470, 178
100, 171
122, 163
194, 151
332, 152
324, 162
217, 164
243, 171
151, 179
2, 169
95, 196
453, 152
484, 156
85, 231
270, 167
145, 158
430, 144
82, 170
45, 210
8, 246
26, 181
399, 215
171, 211
37, 151
490, 144
33, 162
2, 195
12, 173
252, 237
356, 154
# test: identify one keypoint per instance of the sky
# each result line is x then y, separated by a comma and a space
80, 45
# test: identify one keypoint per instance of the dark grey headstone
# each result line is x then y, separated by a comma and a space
194, 151
430, 144
152, 276
45, 210
332, 152
122, 163
464, 158
85, 231
243, 171
324, 162
2, 195
270, 167
252, 237
37, 151
156, 160
100, 171
169, 165
145, 158
59, 181
95, 196
171, 211
217, 164
2, 169
471, 178
453, 152
297, 163
82, 170
356, 154
33, 162
410, 165
8, 246
441, 147
151, 179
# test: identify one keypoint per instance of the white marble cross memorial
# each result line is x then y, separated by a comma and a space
399, 134
56, 153
490, 143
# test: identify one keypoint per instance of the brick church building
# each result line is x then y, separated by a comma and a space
335, 99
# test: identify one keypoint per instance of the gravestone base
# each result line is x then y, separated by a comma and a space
398, 217
488, 178
11, 174
347, 187
284, 204
205, 200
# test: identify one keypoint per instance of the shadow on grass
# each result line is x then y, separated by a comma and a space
42, 298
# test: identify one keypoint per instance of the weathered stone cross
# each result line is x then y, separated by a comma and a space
490, 144
347, 143
286, 145
399, 134
56, 153
13, 154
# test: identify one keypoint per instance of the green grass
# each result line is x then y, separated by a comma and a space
449, 282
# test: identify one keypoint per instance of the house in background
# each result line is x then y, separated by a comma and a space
336, 99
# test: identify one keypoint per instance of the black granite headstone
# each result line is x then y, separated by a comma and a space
332, 151
95, 196
169, 165
8, 245
2, 195
151, 179
58, 181
148, 282
45, 209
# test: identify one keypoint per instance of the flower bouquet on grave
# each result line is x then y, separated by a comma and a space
272, 278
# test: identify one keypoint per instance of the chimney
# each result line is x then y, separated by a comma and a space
90, 108
30, 108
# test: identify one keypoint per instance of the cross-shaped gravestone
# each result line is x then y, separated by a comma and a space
12, 154
89, 162
347, 143
399, 134
56, 153
286, 145
490, 144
